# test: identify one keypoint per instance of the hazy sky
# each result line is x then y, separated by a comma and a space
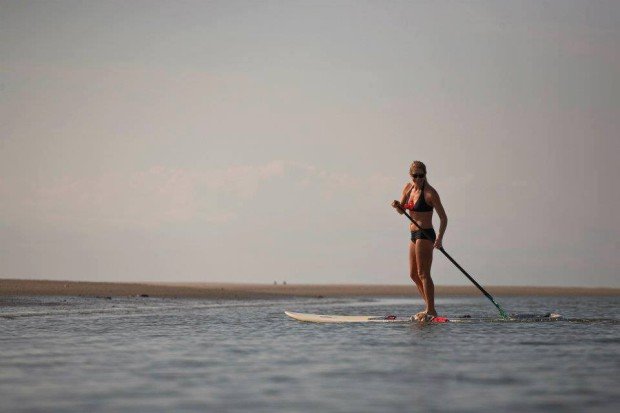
264, 140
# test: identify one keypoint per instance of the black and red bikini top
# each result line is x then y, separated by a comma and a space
420, 205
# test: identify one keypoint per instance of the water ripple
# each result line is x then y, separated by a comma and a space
159, 355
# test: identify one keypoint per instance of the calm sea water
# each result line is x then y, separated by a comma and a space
163, 355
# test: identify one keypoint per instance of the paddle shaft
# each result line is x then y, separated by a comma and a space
456, 264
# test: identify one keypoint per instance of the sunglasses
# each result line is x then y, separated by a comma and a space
418, 175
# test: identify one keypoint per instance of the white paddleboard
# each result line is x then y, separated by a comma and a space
333, 318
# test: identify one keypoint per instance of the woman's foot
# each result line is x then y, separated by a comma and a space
425, 316
419, 316
429, 317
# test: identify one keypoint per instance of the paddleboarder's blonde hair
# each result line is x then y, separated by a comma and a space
417, 165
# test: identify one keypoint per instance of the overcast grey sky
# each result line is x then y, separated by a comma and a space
264, 140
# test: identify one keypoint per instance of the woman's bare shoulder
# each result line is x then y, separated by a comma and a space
431, 190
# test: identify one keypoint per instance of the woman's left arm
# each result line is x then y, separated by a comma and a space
436, 202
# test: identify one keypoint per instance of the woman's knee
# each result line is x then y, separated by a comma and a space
425, 276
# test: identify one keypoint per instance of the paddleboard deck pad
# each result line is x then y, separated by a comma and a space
332, 318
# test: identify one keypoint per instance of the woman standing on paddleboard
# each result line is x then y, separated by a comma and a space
420, 199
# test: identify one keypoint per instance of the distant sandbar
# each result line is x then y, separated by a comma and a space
14, 287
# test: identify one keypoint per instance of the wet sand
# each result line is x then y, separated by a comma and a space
14, 287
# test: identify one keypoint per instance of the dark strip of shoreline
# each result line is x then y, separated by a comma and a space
15, 287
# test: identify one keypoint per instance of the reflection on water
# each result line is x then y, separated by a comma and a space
145, 354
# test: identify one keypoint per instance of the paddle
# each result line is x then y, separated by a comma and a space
501, 310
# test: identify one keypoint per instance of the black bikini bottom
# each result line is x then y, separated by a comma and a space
421, 235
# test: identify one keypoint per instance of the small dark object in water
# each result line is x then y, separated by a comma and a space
319, 296
108, 298
466, 316
526, 316
144, 295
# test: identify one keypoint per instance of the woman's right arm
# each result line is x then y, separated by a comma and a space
403, 199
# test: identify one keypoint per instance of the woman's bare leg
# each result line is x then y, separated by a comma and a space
413, 270
424, 259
